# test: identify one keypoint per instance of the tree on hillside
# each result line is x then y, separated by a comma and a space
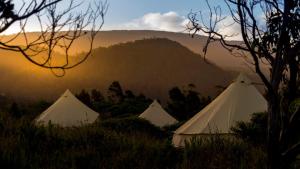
115, 92
85, 97
59, 28
125, 103
273, 41
96, 96
176, 105
129, 94
185, 104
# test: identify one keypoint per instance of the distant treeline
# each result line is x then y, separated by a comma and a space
182, 104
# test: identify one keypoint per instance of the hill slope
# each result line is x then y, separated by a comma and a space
150, 66
216, 53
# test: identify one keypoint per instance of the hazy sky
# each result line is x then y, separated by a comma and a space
167, 15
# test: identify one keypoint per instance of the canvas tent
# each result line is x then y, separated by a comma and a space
67, 111
236, 103
157, 115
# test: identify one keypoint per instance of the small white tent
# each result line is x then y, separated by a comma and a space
237, 103
67, 111
157, 115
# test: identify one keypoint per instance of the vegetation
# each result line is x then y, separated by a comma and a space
217, 151
255, 131
185, 104
182, 105
117, 102
116, 141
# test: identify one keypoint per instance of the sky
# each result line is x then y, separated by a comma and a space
168, 15
121, 12
165, 15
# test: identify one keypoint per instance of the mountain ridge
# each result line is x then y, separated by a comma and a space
216, 54
149, 66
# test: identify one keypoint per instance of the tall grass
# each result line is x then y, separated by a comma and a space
222, 152
124, 143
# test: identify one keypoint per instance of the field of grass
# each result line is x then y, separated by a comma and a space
116, 143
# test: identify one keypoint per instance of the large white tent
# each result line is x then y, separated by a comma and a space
67, 111
157, 115
237, 103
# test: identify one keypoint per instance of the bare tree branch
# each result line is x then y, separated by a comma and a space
59, 29
276, 44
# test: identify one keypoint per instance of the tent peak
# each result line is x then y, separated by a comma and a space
155, 102
243, 78
67, 93
157, 115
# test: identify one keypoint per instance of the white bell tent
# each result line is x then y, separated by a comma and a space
237, 103
67, 111
157, 115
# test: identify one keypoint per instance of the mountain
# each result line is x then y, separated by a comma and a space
216, 54
148, 66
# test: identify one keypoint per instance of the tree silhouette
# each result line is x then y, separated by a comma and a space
185, 104
176, 105
115, 92
275, 43
253, 131
96, 96
85, 97
15, 110
129, 94
59, 29
6, 8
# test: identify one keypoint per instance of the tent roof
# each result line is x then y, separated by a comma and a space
67, 111
242, 78
157, 115
236, 103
